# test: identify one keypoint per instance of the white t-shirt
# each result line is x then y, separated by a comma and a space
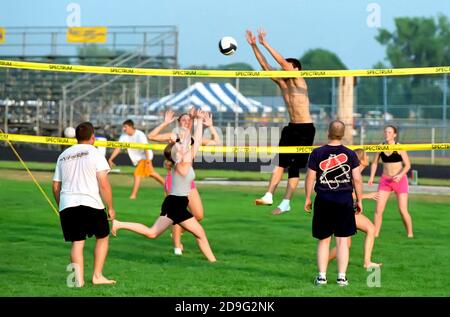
77, 169
136, 155
101, 149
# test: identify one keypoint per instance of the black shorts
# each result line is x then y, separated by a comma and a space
296, 134
333, 215
175, 208
81, 221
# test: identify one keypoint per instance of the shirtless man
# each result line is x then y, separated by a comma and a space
299, 132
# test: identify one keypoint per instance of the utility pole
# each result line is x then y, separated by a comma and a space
345, 106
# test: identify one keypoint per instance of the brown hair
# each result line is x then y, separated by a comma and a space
129, 123
168, 152
393, 127
360, 154
181, 116
336, 130
84, 131
295, 62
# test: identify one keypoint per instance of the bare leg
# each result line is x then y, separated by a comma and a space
277, 174
100, 252
323, 249
365, 225
290, 189
77, 258
406, 217
195, 204
332, 254
157, 177
177, 230
193, 226
342, 254
160, 225
381, 205
196, 208
136, 184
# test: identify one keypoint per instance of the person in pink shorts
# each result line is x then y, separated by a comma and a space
395, 168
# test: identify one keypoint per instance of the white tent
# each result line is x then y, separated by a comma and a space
212, 97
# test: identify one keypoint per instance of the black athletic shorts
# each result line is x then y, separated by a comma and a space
81, 221
296, 134
333, 214
175, 208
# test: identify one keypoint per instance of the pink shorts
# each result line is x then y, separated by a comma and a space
387, 184
168, 183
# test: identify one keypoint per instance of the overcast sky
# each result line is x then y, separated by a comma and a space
293, 26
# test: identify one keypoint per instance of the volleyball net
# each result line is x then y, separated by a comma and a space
42, 99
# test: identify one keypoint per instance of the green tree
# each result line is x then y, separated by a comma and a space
418, 42
320, 89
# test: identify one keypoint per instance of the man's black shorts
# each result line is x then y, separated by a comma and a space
333, 214
175, 208
296, 134
81, 221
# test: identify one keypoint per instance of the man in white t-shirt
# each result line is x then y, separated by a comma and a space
79, 185
142, 159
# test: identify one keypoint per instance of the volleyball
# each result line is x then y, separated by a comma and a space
69, 132
227, 45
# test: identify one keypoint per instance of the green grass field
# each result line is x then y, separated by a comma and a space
258, 254
201, 174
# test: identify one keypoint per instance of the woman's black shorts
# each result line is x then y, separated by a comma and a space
175, 208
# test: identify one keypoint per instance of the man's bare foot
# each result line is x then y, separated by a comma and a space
372, 264
114, 227
99, 280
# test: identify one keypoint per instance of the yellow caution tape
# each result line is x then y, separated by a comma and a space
222, 73
222, 149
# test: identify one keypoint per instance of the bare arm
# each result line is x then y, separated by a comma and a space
198, 135
113, 156
251, 39
357, 184
208, 122
277, 56
106, 192
406, 166
156, 135
373, 168
56, 188
309, 184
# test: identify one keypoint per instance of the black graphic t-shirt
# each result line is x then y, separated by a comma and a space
333, 165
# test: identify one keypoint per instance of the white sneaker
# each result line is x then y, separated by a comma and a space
177, 251
320, 281
342, 281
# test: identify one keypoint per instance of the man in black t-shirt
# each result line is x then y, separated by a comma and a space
334, 168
